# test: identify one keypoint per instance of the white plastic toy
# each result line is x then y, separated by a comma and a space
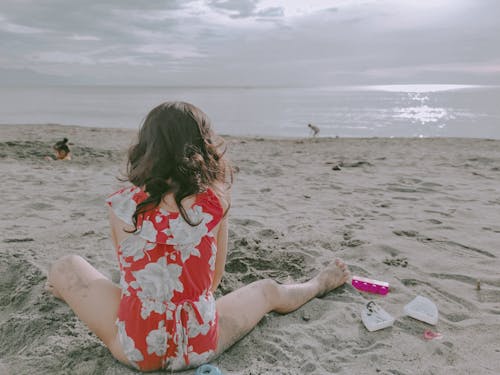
423, 309
374, 317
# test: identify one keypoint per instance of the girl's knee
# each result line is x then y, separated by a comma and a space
270, 289
67, 260
63, 264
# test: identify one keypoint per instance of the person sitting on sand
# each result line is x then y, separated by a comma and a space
61, 150
314, 130
170, 232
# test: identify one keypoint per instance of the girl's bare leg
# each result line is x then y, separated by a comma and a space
241, 310
93, 297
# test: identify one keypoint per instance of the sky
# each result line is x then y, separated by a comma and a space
249, 42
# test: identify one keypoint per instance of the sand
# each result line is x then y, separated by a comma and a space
421, 214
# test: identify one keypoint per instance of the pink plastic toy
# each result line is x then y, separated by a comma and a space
370, 285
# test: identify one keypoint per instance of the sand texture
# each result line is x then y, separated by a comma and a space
421, 214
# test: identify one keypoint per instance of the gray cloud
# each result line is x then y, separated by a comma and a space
252, 42
235, 8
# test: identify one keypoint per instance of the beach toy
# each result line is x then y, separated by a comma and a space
207, 370
423, 309
370, 285
429, 335
374, 317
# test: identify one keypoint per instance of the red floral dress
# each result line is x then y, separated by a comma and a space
167, 317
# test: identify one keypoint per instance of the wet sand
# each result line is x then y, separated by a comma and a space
421, 214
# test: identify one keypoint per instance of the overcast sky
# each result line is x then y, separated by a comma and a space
250, 42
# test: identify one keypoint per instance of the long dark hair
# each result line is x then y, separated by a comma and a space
176, 153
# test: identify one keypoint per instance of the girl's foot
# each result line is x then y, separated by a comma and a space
332, 276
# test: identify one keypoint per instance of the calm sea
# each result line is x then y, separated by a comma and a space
369, 111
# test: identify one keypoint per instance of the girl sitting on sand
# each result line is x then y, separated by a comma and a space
61, 150
170, 232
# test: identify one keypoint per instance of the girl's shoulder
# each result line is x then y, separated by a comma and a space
222, 194
130, 192
124, 202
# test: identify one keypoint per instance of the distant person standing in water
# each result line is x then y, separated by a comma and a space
314, 130
61, 151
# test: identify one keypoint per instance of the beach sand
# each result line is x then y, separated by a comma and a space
421, 214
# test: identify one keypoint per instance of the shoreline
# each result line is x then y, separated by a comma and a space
52, 127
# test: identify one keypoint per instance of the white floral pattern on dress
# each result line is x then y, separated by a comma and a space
148, 231
133, 354
156, 340
124, 285
195, 359
198, 359
185, 237
211, 261
206, 307
157, 283
123, 205
122, 261
135, 246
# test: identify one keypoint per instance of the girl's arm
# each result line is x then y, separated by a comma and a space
222, 236
118, 229
113, 220
220, 257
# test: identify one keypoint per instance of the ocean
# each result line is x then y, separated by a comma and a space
349, 111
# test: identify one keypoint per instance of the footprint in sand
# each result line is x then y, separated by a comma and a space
396, 262
392, 251
39, 206
246, 222
268, 234
16, 240
352, 243
412, 185
434, 221
268, 171
406, 233
444, 214
456, 247
445, 244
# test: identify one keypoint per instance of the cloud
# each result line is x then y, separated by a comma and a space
296, 8
235, 8
252, 41
59, 57
15, 28
126, 60
173, 50
84, 37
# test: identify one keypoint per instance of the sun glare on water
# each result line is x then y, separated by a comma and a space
421, 88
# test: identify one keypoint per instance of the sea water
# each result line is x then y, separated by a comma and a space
353, 111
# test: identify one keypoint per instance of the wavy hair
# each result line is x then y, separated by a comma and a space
177, 153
